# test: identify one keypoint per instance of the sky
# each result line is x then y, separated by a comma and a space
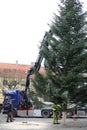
23, 24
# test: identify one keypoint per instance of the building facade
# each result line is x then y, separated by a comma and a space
13, 75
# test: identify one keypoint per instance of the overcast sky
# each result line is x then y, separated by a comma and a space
23, 24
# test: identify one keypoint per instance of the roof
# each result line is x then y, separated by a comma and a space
16, 70
14, 66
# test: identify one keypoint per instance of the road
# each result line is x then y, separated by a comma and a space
42, 124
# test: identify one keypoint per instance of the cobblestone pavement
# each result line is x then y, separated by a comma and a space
42, 124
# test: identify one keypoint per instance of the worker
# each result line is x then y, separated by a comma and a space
9, 112
55, 114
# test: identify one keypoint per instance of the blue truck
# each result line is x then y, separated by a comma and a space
19, 105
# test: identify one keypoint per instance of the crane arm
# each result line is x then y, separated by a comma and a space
37, 64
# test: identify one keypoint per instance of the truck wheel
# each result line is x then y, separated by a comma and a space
45, 114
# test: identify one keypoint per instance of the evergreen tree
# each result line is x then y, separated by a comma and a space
66, 56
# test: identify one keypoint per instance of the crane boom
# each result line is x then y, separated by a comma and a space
37, 64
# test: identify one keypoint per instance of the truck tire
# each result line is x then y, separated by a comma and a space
45, 113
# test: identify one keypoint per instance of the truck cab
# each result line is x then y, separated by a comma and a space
18, 101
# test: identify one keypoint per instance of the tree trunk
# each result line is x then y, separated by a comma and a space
64, 117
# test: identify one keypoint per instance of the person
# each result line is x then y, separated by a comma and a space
55, 114
9, 112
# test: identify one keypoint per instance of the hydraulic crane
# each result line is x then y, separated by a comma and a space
20, 99
36, 66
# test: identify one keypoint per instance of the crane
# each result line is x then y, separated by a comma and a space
20, 99
36, 66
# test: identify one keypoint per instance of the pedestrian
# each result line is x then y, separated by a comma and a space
9, 112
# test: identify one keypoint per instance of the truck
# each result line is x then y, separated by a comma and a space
20, 107
20, 99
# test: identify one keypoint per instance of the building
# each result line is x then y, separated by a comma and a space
9, 72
